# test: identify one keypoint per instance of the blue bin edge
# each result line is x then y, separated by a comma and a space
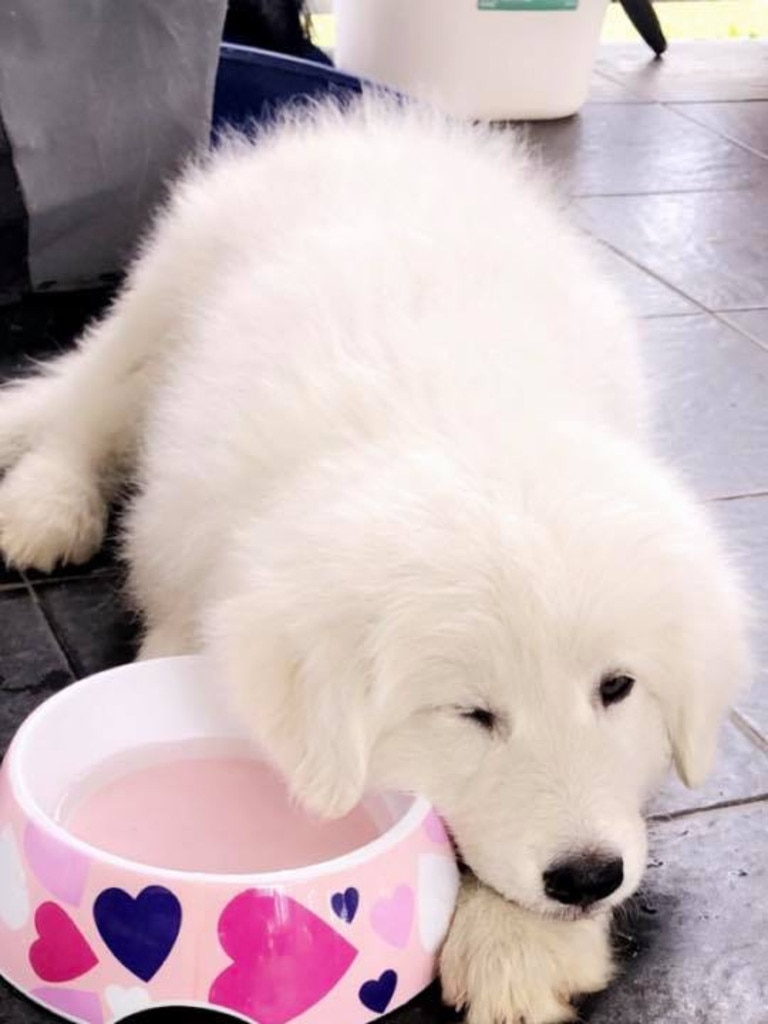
252, 84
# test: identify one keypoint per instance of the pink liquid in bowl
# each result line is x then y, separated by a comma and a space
199, 806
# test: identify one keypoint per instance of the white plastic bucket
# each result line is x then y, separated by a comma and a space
488, 59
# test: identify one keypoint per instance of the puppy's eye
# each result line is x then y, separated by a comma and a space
615, 688
485, 719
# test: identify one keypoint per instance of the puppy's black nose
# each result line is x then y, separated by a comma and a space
583, 880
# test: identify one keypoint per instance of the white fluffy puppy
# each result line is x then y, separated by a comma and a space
387, 424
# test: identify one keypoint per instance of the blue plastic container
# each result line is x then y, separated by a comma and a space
252, 84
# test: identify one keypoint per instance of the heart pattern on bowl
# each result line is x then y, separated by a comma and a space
345, 904
438, 889
124, 1001
60, 869
392, 916
139, 931
261, 932
377, 993
14, 897
96, 942
77, 1005
61, 952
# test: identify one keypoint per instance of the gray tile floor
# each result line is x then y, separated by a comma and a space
667, 167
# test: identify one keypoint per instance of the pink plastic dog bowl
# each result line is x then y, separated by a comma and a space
148, 857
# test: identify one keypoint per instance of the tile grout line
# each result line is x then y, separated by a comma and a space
700, 308
749, 731
742, 330
6, 588
666, 105
664, 316
51, 581
717, 131
721, 103
652, 193
618, 81
53, 631
736, 497
634, 97
633, 262
721, 805
743, 334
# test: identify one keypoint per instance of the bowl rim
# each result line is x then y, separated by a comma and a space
408, 823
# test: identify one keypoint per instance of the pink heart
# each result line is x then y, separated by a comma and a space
435, 828
60, 953
392, 917
85, 1006
285, 958
62, 870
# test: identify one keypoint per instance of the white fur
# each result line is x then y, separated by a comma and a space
507, 965
388, 426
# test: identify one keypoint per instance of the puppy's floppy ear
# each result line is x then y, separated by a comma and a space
715, 666
695, 726
306, 697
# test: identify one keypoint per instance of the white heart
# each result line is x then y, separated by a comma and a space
438, 889
14, 898
122, 1002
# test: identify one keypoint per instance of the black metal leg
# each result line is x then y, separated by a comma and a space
643, 17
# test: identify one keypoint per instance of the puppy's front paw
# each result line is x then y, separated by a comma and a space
505, 965
50, 511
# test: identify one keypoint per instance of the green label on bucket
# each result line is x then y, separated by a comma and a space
527, 5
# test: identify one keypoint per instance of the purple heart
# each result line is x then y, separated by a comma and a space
60, 868
139, 932
77, 1005
392, 916
345, 904
377, 993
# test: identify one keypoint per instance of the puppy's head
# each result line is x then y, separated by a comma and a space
529, 658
